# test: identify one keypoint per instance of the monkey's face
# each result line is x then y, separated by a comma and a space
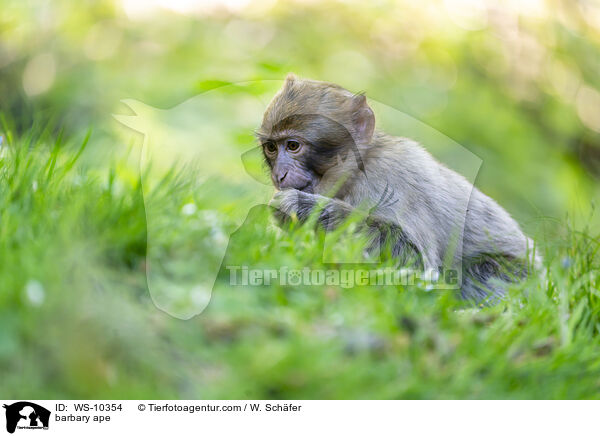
289, 161
309, 129
301, 149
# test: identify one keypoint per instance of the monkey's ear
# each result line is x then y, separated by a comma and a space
363, 119
288, 85
290, 78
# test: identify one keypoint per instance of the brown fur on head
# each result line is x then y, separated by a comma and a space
328, 100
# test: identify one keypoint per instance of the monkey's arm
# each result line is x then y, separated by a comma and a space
332, 212
294, 203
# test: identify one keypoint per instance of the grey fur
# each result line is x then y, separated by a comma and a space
404, 193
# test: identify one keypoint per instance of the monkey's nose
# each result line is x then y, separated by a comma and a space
282, 177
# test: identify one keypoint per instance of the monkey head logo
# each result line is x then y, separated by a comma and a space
26, 415
203, 135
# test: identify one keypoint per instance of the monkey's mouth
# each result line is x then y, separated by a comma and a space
308, 188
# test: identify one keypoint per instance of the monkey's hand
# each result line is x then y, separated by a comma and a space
291, 204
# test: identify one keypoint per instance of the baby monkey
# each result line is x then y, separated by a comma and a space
325, 157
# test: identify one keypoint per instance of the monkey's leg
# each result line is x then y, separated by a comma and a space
389, 238
384, 236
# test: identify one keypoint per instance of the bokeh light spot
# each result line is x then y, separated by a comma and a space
39, 74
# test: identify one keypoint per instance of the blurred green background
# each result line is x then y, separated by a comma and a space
516, 83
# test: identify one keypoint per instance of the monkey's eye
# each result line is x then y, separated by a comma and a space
293, 145
270, 147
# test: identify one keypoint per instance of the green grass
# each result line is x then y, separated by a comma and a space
77, 321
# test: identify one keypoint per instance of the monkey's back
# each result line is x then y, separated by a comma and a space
439, 210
